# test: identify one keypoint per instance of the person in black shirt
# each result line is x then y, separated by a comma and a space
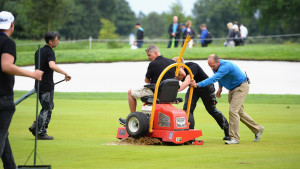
188, 31
47, 64
156, 66
139, 35
8, 69
229, 40
174, 31
207, 95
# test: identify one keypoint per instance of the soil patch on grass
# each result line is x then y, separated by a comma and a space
140, 141
145, 141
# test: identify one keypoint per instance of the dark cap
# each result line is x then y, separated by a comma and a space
138, 23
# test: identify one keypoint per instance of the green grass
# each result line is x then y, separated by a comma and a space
252, 98
80, 53
83, 125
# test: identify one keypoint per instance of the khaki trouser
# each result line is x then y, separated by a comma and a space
236, 100
141, 92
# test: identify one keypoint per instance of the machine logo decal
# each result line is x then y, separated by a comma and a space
122, 132
170, 135
178, 139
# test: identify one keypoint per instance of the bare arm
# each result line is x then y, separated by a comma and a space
185, 83
8, 66
181, 74
57, 69
193, 83
219, 92
147, 80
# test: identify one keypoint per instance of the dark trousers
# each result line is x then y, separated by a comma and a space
209, 100
46, 100
243, 41
177, 38
204, 44
139, 44
7, 109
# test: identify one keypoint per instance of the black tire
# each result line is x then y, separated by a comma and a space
191, 121
137, 124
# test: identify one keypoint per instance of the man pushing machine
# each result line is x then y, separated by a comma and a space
232, 78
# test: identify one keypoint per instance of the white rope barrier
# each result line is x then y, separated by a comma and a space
155, 40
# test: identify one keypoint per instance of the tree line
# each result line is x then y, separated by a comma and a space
80, 19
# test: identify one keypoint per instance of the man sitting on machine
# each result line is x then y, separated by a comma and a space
156, 66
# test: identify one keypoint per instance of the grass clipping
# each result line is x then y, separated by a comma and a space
140, 141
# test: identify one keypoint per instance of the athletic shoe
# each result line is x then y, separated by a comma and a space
45, 137
258, 135
232, 142
32, 128
122, 121
226, 138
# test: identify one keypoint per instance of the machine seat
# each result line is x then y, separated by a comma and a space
167, 92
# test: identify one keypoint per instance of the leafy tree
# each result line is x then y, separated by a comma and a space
85, 14
124, 18
216, 14
281, 16
37, 17
90, 17
154, 25
107, 31
72, 29
106, 9
83, 20
13, 6
8, 5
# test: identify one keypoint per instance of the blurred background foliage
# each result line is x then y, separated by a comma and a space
80, 19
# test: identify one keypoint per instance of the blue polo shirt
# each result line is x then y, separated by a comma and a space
228, 75
175, 27
203, 35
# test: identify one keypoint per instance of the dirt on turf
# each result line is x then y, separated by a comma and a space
145, 141
140, 141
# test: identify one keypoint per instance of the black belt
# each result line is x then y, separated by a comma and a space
245, 81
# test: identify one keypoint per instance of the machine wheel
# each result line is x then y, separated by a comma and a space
191, 121
137, 124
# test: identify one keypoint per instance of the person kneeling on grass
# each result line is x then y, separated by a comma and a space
233, 79
156, 66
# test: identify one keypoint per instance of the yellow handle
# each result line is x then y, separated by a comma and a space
188, 38
156, 92
178, 64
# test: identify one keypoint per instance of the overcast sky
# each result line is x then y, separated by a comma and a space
159, 6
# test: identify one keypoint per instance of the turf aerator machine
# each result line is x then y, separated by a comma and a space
159, 118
